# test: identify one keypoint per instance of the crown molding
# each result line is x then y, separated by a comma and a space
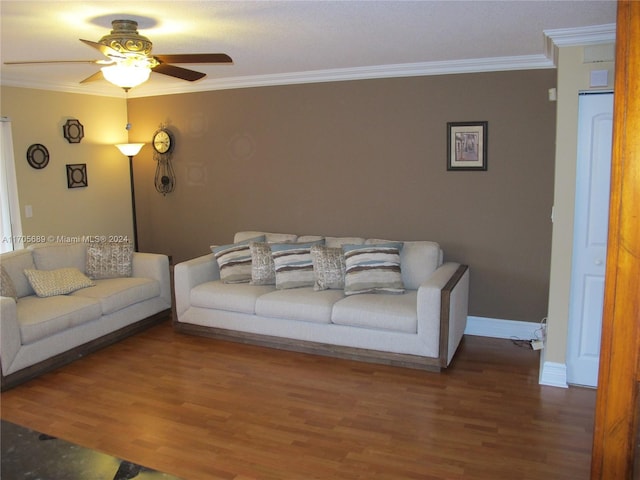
357, 73
526, 62
574, 37
103, 90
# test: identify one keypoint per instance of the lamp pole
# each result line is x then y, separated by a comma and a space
131, 150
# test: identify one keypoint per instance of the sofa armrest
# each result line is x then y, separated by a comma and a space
156, 266
10, 339
191, 273
443, 301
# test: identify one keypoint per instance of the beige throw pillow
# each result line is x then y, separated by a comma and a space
109, 260
7, 287
47, 283
328, 267
263, 271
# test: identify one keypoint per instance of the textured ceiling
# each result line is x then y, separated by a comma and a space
273, 42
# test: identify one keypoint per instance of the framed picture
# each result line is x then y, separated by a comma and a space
467, 145
77, 175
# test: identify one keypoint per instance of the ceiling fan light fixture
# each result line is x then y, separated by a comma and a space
126, 76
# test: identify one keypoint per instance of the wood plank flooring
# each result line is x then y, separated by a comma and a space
199, 408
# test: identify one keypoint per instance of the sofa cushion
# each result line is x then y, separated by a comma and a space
234, 260
373, 268
47, 283
340, 241
7, 288
51, 256
263, 270
303, 304
309, 238
268, 237
109, 260
43, 317
117, 293
293, 264
386, 312
15, 263
328, 267
418, 260
228, 296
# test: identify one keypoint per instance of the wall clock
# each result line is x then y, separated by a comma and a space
163, 141
165, 178
73, 131
38, 156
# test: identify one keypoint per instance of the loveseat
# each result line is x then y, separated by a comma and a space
61, 301
366, 299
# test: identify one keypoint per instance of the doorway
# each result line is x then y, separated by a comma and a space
593, 174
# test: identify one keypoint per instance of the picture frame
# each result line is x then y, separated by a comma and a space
73, 131
467, 146
77, 175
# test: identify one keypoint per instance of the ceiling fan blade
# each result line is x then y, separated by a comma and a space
37, 62
178, 72
195, 58
96, 76
104, 49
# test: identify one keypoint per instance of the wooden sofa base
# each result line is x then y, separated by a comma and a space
80, 351
302, 346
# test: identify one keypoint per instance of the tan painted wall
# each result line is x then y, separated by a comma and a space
364, 158
104, 206
573, 77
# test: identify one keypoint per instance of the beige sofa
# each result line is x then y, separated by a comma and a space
419, 328
55, 317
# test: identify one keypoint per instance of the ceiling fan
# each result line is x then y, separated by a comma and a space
129, 60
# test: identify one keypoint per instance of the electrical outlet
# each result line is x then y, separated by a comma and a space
537, 344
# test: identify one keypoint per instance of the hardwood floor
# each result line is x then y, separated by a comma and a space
199, 408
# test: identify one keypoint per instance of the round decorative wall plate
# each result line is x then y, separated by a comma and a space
73, 131
38, 156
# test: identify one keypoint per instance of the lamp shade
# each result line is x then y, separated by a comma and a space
130, 149
126, 76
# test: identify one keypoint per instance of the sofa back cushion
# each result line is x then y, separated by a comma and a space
269, 237
51, 256
14, 264
418, 260
338, 242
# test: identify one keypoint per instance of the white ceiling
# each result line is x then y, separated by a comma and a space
279, 42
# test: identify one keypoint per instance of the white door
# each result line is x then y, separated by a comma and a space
589, 237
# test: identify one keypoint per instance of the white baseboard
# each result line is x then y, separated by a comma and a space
551, 373
492, 327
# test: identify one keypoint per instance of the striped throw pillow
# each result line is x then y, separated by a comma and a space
373, 268
293, 264
234, 260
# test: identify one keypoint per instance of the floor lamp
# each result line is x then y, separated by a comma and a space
131, 150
